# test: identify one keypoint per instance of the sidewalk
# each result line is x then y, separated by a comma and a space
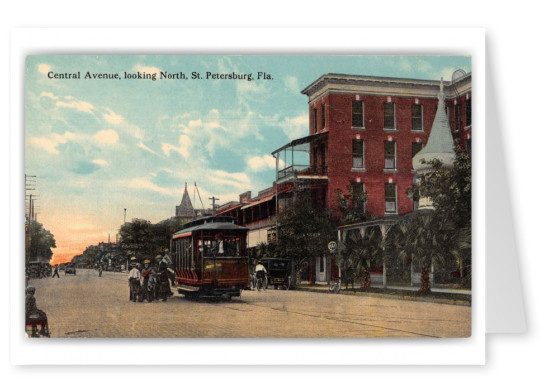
438, 295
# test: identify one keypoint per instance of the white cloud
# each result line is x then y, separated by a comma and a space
107, 136
195, 123
446, 73
147, 69
291, 83
423, 65
145, 183
260, 163
113, 118
295, 127
238, 180
99, 162
50, 144
44, 68
49, 95
145, 147
77, 105
182, 149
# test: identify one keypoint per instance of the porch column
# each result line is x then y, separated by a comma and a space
384, 230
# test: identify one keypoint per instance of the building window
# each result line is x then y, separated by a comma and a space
415, 149
357, 114
357, 154
468, 113
390, 198
323, 168
468, 145
390, 155
315, 160
358, 196
323, 116
390, 122
457, 117
315, 120
416, 117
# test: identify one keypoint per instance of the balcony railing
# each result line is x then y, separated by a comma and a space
296, 170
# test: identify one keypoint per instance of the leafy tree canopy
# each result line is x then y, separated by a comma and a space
352, 205
304, 230
41, 241
450, 189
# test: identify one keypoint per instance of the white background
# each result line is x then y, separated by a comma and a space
515, 36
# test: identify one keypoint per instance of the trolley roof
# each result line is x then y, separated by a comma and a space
211, 223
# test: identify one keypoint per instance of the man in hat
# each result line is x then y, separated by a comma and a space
163, 284
144, 282
33, 313
169, 268
134, 280
261, 274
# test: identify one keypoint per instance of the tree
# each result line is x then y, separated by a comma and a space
41, 241
136, 238
426, 240
143, 239
304, 230
90, 256
351, 205
357, 254
450, 189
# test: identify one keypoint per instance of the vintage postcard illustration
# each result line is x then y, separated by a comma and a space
271, 196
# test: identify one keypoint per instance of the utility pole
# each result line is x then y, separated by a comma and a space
30, 182
214, 199
124, 221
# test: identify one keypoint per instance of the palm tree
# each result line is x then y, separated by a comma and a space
427, 240
359, 253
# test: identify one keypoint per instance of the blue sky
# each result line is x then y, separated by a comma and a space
100, 146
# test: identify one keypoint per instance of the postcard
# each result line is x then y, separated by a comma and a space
254, 196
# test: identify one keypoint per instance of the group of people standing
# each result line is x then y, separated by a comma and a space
151, 281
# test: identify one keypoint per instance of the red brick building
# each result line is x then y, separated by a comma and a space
363, 134
369, 128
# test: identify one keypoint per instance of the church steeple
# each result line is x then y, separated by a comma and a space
185, 209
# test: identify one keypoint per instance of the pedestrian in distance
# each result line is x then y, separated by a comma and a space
134, 281
144, 282
171, 273
261, 273
56, 272
163, 281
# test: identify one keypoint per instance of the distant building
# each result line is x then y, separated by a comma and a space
185, 210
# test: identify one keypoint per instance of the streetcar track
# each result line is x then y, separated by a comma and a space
345, 321
390, 318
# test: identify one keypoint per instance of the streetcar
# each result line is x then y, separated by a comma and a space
211, 258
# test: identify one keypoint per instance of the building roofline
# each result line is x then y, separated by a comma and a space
312, 87
300, 141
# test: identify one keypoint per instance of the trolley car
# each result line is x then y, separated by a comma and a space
210, 258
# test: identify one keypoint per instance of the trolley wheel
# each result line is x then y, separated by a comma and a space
288, 284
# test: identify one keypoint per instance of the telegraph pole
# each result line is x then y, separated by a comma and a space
30, 182
214, 199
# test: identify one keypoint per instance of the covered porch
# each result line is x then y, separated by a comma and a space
303, 158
